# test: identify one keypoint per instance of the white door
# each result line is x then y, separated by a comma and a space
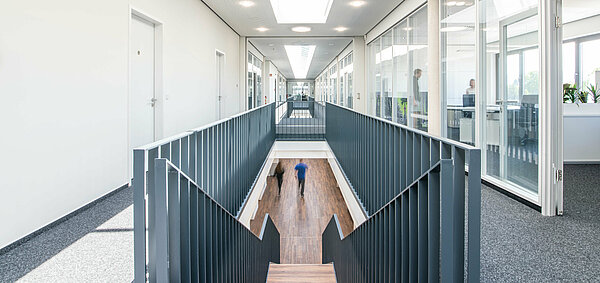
142, 101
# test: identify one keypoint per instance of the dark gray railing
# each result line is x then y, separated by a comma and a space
413, 238
380, 159
224, 157
300, 120
198, 240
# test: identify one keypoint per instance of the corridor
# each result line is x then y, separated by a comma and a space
301, 221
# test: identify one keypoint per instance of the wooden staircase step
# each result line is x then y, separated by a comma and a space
301, 273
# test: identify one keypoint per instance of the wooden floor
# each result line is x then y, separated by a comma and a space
301, 221
301, 273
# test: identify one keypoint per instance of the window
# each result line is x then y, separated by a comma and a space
458, 70
569, 69
590, 62
397, 73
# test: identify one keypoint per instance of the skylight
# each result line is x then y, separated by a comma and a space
300, 57
301, 11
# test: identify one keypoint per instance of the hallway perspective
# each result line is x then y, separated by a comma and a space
301, 221
435, 140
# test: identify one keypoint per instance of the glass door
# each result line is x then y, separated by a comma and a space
512, 123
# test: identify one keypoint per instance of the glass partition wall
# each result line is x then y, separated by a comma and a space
397, 71
335, 84
254, 81
458, 67
511, 95
493, 90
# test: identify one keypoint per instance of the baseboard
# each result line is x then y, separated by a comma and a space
513, 196
582, 162
56, 222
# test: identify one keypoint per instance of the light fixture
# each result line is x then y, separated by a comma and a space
301, 29
246, 3
407, 28
451, 3
452, 29
300, 57
301, 12
331, 44
271, 44
460, 3
357, 3
262, 29
341, 29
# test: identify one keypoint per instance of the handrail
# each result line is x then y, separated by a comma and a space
199, 240
197, 129
413, 238
414, 130
224, 157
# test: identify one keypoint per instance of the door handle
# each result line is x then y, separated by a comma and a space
153, 102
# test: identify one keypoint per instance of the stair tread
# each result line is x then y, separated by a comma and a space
301, 273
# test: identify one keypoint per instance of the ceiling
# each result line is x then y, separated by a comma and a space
326, 50
358, 20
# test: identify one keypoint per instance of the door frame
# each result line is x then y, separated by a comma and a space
158, 80
220, 73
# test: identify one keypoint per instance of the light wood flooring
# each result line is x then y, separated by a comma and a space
317, 273
301, 221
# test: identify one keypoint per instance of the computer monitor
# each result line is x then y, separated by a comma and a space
468, 100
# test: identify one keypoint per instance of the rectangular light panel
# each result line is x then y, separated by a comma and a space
301, 11
300, 57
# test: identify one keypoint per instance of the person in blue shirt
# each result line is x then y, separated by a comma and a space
301, 169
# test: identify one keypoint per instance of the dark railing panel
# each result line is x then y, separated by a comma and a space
300, 120
401, 241
224, 157
197, 238
379, 158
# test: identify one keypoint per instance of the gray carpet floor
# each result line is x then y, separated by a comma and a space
517, 245
95, 245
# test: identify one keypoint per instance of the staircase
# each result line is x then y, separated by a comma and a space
301, 273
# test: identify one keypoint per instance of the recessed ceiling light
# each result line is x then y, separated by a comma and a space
301, 29
331, 44
357, 3
271, 44
300, 57
407, 28
246, 3
341, 29
460, 3
301, 12
262, 29
451, 3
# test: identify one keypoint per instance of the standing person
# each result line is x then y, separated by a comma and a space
279, 174
301, 175
471, 89
415, 88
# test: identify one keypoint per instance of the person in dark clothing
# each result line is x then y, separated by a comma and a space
415, 88
279, 174
301, 175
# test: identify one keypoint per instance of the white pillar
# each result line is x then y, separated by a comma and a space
242, 84
433, 59
359, 79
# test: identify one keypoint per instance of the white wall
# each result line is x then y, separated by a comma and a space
581, 132
64, 90
271, 81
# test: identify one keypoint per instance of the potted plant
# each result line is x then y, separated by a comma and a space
594, 93
570, 93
